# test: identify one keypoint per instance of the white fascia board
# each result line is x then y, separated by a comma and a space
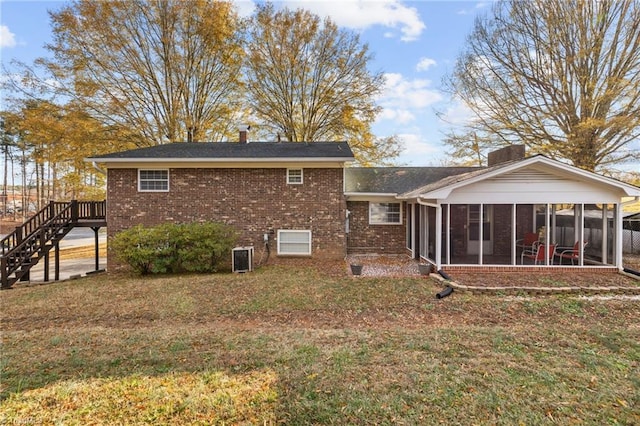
190, 162
371, 196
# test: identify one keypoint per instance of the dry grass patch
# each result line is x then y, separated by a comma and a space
171, 399
83, 252
334, 349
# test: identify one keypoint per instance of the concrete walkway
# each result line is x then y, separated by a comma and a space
79, 237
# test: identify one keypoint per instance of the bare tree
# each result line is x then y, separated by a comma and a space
561, 76
308, 81
167, 70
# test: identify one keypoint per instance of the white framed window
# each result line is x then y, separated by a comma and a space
294, 242
385, 213
294, 176
153, 180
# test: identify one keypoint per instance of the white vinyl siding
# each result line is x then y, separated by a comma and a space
296, 242
153, 180
385, 213
294, 176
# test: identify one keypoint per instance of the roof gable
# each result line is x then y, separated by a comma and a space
532, 169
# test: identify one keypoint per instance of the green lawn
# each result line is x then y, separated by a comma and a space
298, 346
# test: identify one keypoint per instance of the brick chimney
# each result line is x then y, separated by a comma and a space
508, 153
243, 133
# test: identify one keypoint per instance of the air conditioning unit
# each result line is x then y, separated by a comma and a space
242, 259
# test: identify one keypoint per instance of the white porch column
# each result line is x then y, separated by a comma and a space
424, 210
553, 224
581, 237
576, 223
605, 233
546, 234
412, 237
481, 234
438, 237
617, 223
448, 257
513, 234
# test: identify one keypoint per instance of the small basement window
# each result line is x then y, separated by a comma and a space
294, 176
295, 243
153, 180
385, 214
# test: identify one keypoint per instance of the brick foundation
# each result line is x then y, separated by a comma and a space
533, 268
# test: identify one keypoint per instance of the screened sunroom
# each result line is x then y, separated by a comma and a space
533, 212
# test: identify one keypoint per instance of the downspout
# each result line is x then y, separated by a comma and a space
98, 168
619, 242
438, 218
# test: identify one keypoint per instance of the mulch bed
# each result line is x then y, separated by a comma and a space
545, 279
402, 266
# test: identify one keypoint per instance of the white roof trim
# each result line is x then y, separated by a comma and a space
371, 194
445, 191
222, 160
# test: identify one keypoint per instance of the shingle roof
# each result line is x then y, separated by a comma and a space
448, 180
340, 151
397, 180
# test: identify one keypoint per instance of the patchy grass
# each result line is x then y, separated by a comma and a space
177, 399
299, 346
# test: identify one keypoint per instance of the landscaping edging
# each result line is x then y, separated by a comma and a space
538, 290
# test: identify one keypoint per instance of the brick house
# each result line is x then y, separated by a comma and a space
303, 200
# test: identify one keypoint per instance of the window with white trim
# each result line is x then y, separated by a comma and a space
153, 180
294, 242
294, 176
385, 213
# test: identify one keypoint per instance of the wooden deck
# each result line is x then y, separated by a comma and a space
35, 238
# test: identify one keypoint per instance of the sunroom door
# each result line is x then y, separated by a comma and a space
474, 222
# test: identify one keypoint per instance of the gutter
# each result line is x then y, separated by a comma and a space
222, 160
424, 203
626, 203
98, 168
371, 194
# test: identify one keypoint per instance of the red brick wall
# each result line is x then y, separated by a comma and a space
458, 229
254, 201
502, 229
379, 239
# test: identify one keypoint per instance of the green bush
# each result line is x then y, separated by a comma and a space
169, 248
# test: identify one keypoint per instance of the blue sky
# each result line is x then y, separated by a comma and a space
415, 44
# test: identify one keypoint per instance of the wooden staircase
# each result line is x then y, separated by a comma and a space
34, 239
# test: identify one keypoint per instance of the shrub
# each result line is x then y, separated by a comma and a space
167, 248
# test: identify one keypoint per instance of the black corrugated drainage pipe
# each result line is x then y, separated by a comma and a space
444, 275
444, 293
448, 290
631, 271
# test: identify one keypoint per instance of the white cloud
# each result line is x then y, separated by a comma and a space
401, 116
418, 152
402, 98
245, 8
425, 63
478, 6
458, 114
7, 38
362, 14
